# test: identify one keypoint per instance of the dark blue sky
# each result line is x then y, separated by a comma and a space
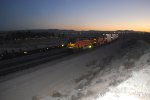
75, 14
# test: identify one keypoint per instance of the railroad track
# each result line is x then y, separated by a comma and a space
18, 64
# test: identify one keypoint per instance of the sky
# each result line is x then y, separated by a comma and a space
75, 14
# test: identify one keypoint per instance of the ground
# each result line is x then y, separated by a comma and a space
118, 71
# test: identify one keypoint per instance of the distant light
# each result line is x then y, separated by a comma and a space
25, 52
62, 45
47, 48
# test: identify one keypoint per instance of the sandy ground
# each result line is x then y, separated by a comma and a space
127, 78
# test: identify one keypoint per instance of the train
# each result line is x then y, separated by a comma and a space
94, 42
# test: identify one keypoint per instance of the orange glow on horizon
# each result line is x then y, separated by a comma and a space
105, 26
113, 28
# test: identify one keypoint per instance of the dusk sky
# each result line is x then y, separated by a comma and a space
75, 14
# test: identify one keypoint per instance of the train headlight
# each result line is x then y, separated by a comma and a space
89, 46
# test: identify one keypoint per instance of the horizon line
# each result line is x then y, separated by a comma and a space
70, 29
